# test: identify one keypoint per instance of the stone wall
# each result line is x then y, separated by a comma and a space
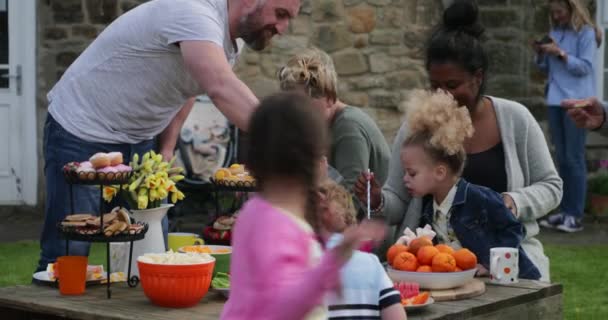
377, 46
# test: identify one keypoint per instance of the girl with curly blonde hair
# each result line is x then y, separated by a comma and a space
463, 215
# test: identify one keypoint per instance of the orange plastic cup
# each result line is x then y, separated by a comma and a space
72, 274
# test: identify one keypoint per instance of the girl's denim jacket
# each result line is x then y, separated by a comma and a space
481, 221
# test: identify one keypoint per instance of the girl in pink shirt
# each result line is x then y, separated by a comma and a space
278, 270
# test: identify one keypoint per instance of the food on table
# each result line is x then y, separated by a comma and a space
204, 249
465, 259
117, 222
94, 272
407, 289
419, 243
221, 281
236, 173
405, 261
115, 158
100, 160
419, 299
443, 262
439, 258
394, 250
171, 257
221, 229
426, 254
105, 166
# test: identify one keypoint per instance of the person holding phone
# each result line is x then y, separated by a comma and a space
567, 56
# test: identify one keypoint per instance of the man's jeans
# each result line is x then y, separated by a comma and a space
61, 147
569, 142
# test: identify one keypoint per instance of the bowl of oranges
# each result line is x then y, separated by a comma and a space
431, 266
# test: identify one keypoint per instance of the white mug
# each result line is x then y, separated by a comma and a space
504, 265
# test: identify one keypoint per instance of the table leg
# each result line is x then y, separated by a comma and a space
108, 271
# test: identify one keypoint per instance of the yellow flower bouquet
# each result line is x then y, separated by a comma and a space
152, 181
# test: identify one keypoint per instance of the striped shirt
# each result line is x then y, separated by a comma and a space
366, 288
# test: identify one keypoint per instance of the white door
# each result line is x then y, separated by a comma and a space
18, 159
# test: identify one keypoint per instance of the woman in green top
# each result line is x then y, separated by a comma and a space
356, 142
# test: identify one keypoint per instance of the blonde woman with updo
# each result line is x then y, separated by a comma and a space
356, 141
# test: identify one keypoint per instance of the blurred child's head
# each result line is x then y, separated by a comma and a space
287, 141
433, 152
339, 212
312, 72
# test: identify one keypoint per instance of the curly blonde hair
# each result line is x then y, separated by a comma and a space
312, 70
338, 194
439, 125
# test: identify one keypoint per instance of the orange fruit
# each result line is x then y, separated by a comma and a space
393, 251
419, 243
405, 261
465, 259
421, 298
444, 248
443, 262
424, 269
457, 269
425, 255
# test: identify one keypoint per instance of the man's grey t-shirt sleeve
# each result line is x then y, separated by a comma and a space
194, 22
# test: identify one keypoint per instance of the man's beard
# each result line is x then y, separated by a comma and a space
255, 35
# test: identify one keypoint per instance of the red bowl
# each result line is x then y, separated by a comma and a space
175, 286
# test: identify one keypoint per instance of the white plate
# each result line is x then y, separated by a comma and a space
420, 306
43, 276
433, 280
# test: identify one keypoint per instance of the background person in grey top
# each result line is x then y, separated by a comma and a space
135, 82
356, 141
457, 63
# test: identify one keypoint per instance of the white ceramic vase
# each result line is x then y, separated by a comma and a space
154, 241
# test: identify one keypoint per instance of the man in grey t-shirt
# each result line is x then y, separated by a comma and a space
136, 81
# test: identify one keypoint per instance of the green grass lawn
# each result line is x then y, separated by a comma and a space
581, 269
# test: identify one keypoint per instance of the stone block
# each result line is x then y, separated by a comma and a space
428, 13
332, 37
300, 25
380, 63
349, 3
102, 11
85, 31
55, 33
362, 19
67, 11
350, 62
380, 98
386, 37
507, 86
404, 80
306, 7
359, 99
506, 58
361, 41
65, 59
367, 81
327, 10
500, 18
391, 17
378, 2
416, 37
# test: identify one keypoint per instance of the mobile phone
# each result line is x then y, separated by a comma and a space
544, 40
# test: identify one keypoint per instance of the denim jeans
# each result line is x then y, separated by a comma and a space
61, 147
569, 142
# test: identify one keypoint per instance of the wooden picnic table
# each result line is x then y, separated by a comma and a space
524, 300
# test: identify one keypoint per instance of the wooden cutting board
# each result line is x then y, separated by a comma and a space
471, 289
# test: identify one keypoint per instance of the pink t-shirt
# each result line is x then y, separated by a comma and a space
271, 272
